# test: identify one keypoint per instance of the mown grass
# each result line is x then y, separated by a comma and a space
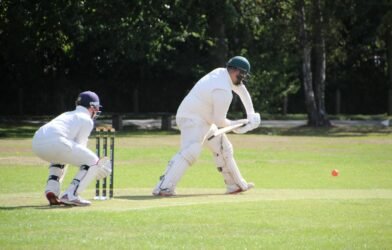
296, 204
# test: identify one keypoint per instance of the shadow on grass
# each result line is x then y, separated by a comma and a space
151, 197
136, 197
42, 207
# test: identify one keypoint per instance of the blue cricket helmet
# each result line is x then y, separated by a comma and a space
88, 99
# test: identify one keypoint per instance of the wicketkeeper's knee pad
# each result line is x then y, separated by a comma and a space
56, 173
56, 170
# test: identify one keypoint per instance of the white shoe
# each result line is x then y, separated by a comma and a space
163, 192
74, 200
236, 189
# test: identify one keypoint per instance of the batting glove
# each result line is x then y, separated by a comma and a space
254, 122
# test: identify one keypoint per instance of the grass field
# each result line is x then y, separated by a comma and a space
296, 204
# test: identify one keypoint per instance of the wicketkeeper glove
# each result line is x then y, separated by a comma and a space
104, 168
254, 122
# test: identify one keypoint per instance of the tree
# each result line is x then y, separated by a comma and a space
389, 59
263, 31
306, 64
319, 63
313, 79
135, 52
386, 33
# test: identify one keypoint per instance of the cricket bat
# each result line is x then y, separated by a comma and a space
225, 130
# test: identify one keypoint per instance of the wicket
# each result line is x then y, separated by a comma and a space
104, 135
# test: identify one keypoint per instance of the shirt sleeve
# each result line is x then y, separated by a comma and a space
246, 100
221, 100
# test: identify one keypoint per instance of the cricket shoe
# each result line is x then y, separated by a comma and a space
53, 199
163, 192
74, 200
237, 189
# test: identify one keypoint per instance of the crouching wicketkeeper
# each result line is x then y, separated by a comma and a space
64, 141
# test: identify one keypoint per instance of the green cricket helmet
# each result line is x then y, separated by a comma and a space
241, 63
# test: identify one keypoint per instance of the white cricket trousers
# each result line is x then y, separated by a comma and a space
192, 131
63, 151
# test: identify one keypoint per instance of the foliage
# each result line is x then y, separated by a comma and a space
135, 52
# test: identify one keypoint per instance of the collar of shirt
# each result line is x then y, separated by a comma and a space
82, 109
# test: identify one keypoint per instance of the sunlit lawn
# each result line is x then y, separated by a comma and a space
296, 204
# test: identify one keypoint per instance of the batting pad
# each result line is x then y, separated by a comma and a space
225, 163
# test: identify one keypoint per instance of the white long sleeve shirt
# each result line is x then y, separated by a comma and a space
74, 125
210, 98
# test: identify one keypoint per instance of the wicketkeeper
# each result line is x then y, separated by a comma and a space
63, 141
200, 114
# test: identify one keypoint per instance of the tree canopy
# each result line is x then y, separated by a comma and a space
143, 56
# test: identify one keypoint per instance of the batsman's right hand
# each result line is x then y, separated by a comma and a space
254, 122
240, 121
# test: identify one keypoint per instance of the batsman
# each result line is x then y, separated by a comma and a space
63, 141
199, 116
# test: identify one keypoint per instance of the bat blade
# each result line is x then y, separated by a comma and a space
225, 130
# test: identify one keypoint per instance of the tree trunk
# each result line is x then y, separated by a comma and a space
389, 60
310, 101
338, 102
319, 63
285, 104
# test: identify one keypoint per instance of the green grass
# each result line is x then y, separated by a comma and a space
296, 204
